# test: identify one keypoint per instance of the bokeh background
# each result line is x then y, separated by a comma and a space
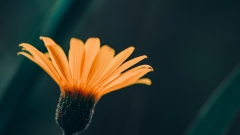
192, 46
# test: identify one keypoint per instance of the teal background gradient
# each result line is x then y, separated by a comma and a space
192, 46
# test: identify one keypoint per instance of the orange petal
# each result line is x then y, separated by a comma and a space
130, 63
124, 82
42, 60
115, 63
59, 60
144, 81
126, 73
130, 74
100, 63
125, 66
92, 47
76, 55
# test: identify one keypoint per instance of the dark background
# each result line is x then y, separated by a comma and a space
192, 46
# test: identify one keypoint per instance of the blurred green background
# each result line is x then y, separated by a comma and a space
192, 46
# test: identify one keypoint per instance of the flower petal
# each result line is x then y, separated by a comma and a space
42, 60
130, 63
115, 63
126, 73
59, 60
133, 72
76, 55
26, 55
125, 66
100, 63
92, 47
144, 81
123, 81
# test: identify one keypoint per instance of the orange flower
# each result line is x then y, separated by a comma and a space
89, 69
89, 73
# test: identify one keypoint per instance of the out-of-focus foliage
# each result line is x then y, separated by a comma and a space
220, 110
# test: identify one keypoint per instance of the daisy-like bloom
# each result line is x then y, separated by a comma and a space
89, 73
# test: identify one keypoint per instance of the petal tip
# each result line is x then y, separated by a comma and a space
73, 38
145, 81
151, 68
149, 83
47, 40
93, 39
21, 45
42, 37
132, 47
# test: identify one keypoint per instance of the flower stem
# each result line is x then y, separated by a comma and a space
67, 133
